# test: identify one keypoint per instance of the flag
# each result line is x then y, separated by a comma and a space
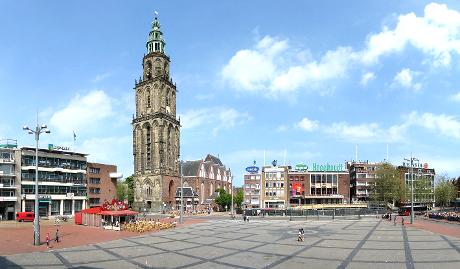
74, 136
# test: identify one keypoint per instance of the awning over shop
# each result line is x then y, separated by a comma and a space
118, 213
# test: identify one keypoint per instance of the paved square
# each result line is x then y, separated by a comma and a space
262, 243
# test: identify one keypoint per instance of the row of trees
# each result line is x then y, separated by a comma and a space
389, 188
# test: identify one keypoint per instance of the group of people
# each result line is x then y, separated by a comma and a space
450, 216
56, 238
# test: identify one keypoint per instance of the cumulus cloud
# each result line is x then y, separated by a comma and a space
308, 125
82, 112
366, 78
443, 124
456, 97
216, 118
436, 34
405, 78
273, 66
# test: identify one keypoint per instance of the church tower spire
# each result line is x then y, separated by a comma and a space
155, 43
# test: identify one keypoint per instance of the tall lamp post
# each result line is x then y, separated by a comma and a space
412, 160
181, 219
231, 183
38, 130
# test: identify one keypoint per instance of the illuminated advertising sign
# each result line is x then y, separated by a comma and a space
297, 189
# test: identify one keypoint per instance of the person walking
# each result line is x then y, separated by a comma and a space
48, 240
394, 220
57, 235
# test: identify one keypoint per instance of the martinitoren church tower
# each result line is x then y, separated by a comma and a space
156, 131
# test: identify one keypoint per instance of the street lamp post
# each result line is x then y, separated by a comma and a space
181, 219
38, 130
231, 183
412, 160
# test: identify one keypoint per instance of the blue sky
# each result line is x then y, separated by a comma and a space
310, 79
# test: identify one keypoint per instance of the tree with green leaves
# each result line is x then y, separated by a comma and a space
445, 192
122, 191
224, 200
129, 181
388, 187
238, 198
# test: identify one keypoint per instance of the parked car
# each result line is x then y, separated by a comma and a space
25, 216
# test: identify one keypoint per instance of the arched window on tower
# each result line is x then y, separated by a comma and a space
148, 98
148, 143
148, 70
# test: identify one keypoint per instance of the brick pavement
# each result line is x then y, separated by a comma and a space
18, 237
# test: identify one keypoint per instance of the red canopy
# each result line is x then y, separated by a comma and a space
118, 213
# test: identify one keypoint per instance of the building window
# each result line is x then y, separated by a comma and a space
55, 207
78, 205
67, 207
94, 170
94, 180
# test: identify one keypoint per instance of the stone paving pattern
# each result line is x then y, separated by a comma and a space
366, 243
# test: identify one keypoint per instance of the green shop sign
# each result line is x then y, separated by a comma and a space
327, 167
301, 167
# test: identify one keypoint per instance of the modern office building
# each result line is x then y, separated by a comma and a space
321, 184
362, 179
101, 183
251, 189
274, 191
61, 178
423, 177
10, 181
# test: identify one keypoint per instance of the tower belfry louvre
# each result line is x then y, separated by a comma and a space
156, 130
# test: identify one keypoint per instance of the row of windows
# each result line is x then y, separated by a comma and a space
324, 179
54, 162
76, 190
274, 184
56, 206
95, 190
7, 169
274, 175
94, 170
323, 191
278, 193
45, 176
94, 180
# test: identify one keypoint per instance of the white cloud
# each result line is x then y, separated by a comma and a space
110, 150
443, 124
354, 132
456, 97
281, 128
275, 68
437, 34
83, 112
405, 78
308, 125
215, 118
101, 77
366, 78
